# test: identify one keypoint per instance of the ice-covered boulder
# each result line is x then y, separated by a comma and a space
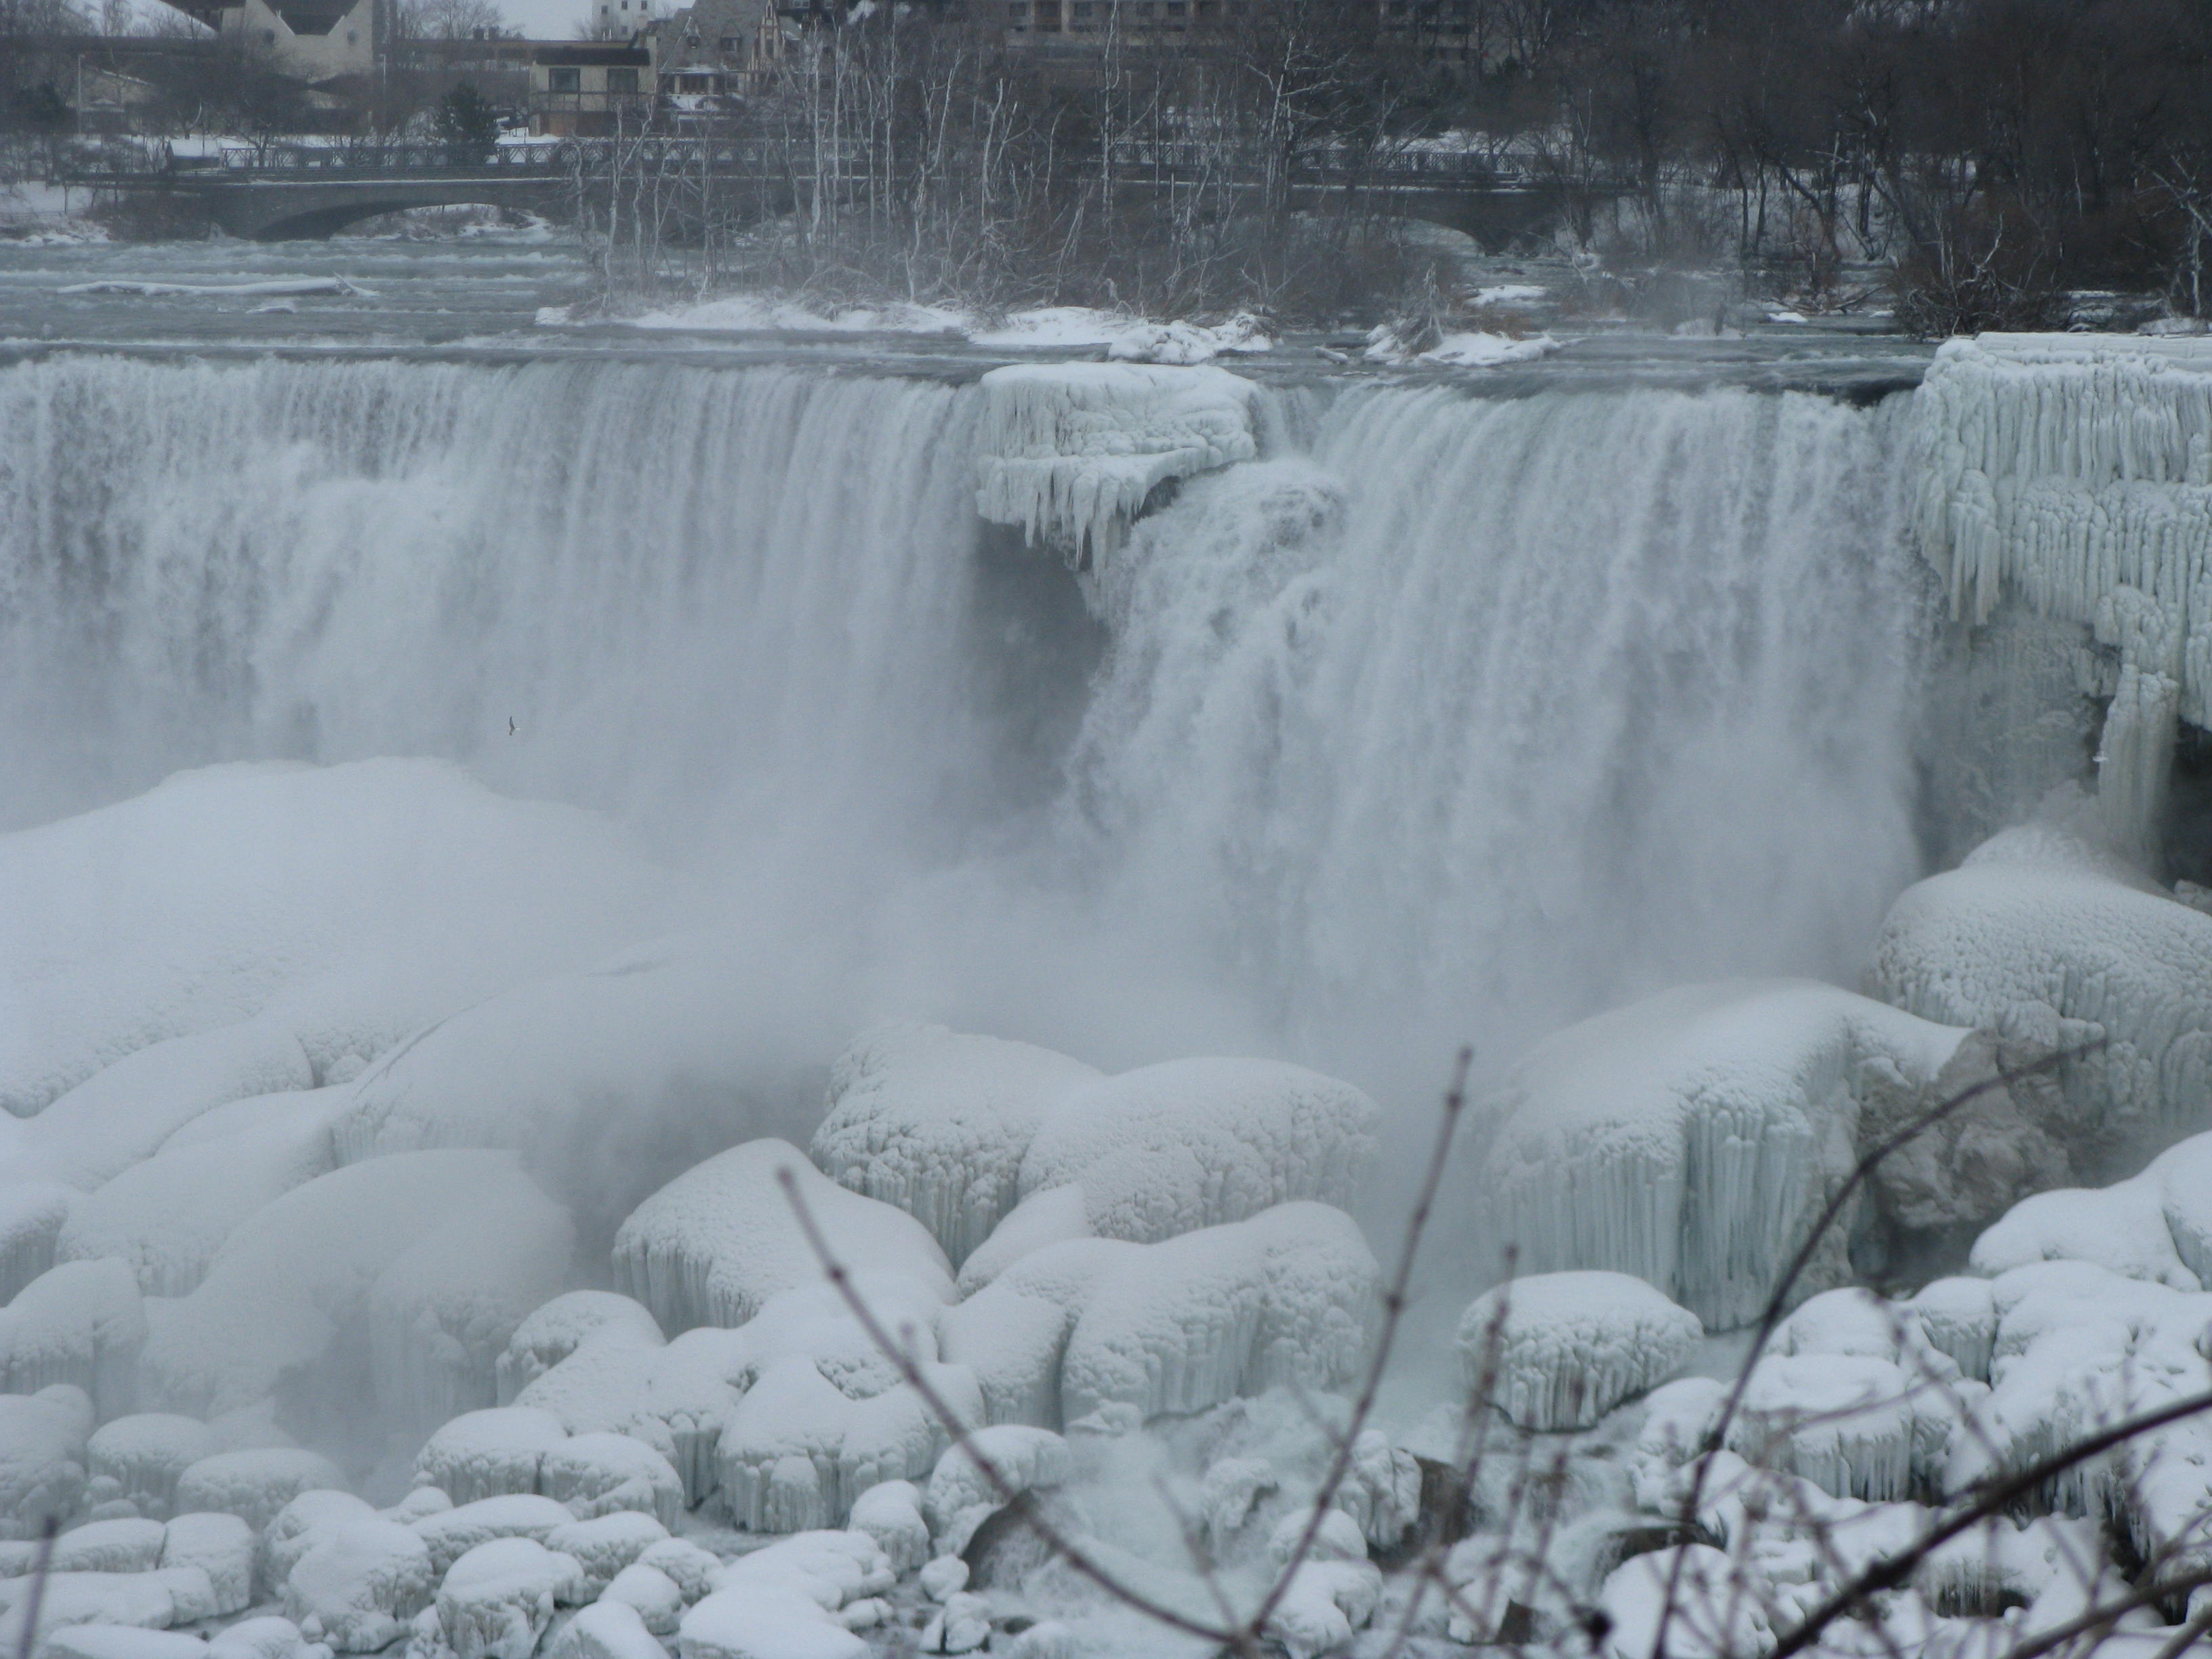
489, 1453
2039, 933
42, 1454
605, 1544
1692, 1139
167, 1217
300, 1525
418, 1248
82, 1322
1323, 1604
1170, 1148
652, 1595
350, 903
936, 1122
764, 1621
1558, 1351
690, 1568
1106, 1333
110, 1547
614, 1627
497, 1601
221, 1546
607, 1083
32, 1216
361, 1585
146, 1600
605, 1474
255, 1484
2156, 1225
1070, 452
269, 1637
889, 1512
120, 1642
556, 1329
962, 1495
451, 1534
716, 1243
759, 1603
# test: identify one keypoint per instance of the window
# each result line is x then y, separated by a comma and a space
728, 43
622, 80
1080, 14
564, 80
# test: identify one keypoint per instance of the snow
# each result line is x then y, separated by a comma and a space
750, 313
716, 1243
266, 1637
221, 1546
83, 1323
1716, 1615
1561, 1350
2040, 932
649, 1593
144, 1454
32, 1216
764, 1621
1466, 349
254, 1484
453, 1534
119, 1642
360, 1585
110, 1546
610, 1629
1691, 1139
1194, 1143
889, 1513
1070, 452
421, 1248
607, 1083
687, 1566
602, 1473
556, 1329
1049, 1216
497, 1601
489, 1453
1325, 1602
288, 285
936, 1122
42, 1450
961, 1497
348, 904
1103, 1334
300, 1525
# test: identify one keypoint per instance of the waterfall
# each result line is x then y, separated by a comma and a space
1457, 718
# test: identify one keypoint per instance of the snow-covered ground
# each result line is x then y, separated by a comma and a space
402, 1251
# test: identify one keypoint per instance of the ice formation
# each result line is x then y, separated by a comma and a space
323, 902
496, 1602
1558, 1351
1196, 1143
360, 1587
451, 1534
2039, 933
1071, 451
82, 1322
716, 1243
936, 1122
962, 1495
2076, 474
1690, 1140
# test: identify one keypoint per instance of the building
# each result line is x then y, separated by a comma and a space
316, 41
713, 50
589, 89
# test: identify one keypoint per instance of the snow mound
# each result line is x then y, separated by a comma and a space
1323, 1604
1470, 350
144, 1454
1186, 344
42, 1452
690, 1568
1721, 1610
110, 1547
556, 1329
454, 1533
32, 1216
1106, 1333
350, 904
119, 1642
2038, 933
936, 1122
497, 1602
82, 1323
610, 1629
256, 1484
606, 1545
889, 1512
1558, 1351
1196, 1143
764, 1621
489, 1453
715, 1244
1691, 1139
360, 1586
607, 1083
1070, 452
420, 1248
961, 1497
219, 1546
651, 1595
604, 1474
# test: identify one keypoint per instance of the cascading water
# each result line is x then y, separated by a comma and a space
1479, 716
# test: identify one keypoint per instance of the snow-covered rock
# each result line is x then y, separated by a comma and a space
454, 1533
611, 1628
603, 1473
1324, 1603
605, 1545
962, 1495
937, 1122
1558, 1351
363, 1583
764, 1621
557, 1328
350, 904
1692, 1139
497, 1601
32, 1216
1070, 452
2039, 933
266, 1637
651, 1593
300, 1525
1107, 1333
1170, 1148
82, 1323
221, 1546
606, 1083
1720, 1609
489, 1453
42, 1453
889, 1512
254, 1484
690, 1568
110, 1547
119, 1642
715, 1244
417, 1248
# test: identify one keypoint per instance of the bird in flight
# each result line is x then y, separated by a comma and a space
510, 725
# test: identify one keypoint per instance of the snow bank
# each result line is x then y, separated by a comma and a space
2038, 933
1105, 1333
1691, 1139
937, 1122
1070, 452
350, 903
1196, 1143
1472, 349
2076, 474
607, 1082
416, 1247
1558, 1351
716, 1243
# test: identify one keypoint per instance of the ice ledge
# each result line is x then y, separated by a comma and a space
1070, 452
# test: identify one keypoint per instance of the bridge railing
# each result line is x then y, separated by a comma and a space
385, 159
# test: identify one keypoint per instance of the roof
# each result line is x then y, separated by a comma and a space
591, 52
